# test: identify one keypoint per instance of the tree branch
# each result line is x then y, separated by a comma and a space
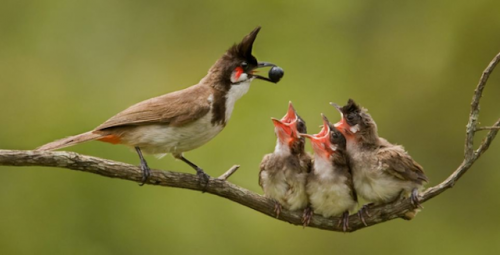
216, 186
229, 172
486, 128
474, 107
221, 187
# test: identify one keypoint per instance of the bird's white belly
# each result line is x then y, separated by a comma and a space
371, 180
287, 191
375, 186
275, 188
161, 139
330, 197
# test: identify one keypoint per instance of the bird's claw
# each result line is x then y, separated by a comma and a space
364, 211
414, 199
362, 217
203, 179
277, 209
306, 216
146, 173
344, 221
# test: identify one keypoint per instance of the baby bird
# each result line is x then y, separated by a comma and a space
382, 172
329, 186
283, 173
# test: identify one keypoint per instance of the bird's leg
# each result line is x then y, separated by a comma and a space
146, 172
414, 199
204, 178
344, 221
364, 211
362, 217
306, 216
277, 208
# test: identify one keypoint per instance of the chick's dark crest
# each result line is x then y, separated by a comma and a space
382, 171
360, 124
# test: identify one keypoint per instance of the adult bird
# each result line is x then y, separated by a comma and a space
183, 120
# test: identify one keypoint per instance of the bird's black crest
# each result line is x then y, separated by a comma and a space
243, 50
351, 106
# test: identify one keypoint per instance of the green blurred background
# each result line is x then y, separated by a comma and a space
67, 66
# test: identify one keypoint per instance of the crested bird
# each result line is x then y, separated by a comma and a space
183, 120
283, 173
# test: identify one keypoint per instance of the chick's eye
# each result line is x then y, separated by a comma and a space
351, 116
244, 65
300, 126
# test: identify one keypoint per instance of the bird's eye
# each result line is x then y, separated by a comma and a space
301, 127
351, 117
244, 65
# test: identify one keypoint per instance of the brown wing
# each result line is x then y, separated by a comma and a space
396, 162
177, 108
263, 165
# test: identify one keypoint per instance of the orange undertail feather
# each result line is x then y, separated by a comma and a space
77, 139
114, 139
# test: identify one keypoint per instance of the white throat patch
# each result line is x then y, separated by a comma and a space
333, 147
281, 149
354, 129
236, 92
243, 76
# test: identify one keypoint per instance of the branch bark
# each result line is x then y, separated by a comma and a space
221, 187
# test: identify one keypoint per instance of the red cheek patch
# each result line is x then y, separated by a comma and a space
238, 71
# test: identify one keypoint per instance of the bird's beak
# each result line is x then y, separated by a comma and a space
291, 115
260, 65
311, 137
284, 131
277, 122
321, 138
287, 127
342, 126
338, 108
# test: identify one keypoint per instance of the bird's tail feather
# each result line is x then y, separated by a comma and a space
70, 141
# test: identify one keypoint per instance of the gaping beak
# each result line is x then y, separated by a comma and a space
277, 122
338, 108
287, 126
291, 114
260, 65
323, 135
342, 125
321, 141
285, 132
